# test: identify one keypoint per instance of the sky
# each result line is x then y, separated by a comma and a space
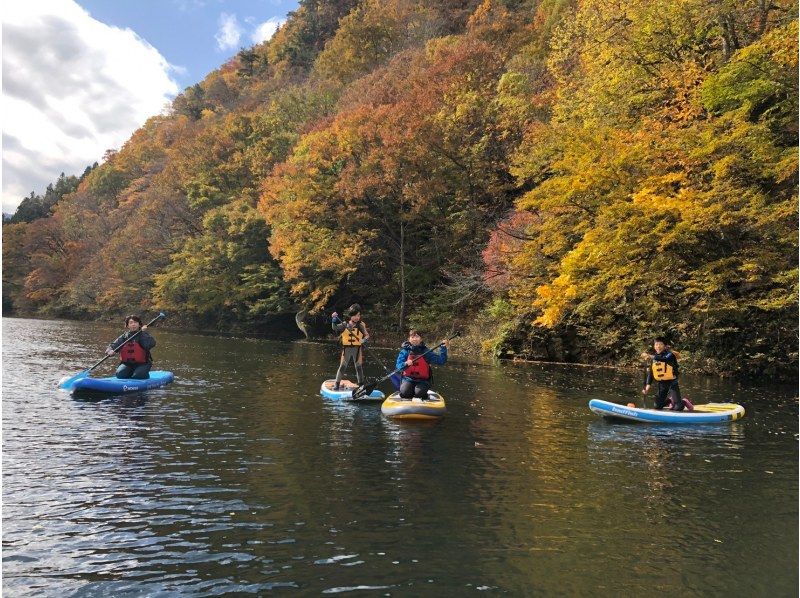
79, 77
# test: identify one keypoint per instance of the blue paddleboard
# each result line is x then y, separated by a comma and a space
117, 385
701, 414
345, 392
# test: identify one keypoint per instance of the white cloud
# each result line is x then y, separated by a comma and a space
73, 87
229, 33
190, 5
266, 29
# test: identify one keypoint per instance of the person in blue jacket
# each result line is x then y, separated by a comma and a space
417, 373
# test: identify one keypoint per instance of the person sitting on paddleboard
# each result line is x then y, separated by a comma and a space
134, 355
417, 370
353, 335
664, 368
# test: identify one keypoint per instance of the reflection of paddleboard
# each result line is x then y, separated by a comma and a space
431, 408
117, 385
345, 392
702, 414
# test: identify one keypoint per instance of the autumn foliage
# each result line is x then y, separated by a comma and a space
576, 177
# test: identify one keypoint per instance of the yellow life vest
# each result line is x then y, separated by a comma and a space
662, 371
351, 337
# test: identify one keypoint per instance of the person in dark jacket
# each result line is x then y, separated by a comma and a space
134, 352
417, 373
664, 369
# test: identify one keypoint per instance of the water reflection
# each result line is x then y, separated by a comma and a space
239, 478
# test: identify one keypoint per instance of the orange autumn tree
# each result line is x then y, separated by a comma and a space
399, 184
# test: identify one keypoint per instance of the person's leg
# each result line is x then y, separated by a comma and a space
124, 371
142, 372
359, 363
662, 397
421, 389
348, 355
675, 395
340, 371
406, 389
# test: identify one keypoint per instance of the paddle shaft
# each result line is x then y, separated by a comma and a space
385, 369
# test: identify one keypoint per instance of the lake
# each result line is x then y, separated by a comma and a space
240, 478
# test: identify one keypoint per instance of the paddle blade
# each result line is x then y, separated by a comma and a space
66, 383
364, 390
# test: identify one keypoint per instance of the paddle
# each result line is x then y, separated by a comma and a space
66, 383
394, 378
366, 389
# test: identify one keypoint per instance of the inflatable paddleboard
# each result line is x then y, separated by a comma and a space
345, 392
431, 408
119, 385
701, 414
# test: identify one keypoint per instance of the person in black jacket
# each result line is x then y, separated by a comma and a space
134, 354
664, 369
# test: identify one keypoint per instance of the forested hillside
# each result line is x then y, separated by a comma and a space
568, 177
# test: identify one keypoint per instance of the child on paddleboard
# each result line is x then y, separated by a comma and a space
353, 335
416, 368
134, 355
663, 368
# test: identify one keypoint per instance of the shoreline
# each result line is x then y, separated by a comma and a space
471, 355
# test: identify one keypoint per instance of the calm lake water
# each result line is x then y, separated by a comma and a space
240, 478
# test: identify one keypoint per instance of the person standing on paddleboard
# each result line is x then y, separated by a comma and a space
134, 355
353, 335
663, 368
417, 373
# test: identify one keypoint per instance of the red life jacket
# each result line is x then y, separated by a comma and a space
132, 353
419, 370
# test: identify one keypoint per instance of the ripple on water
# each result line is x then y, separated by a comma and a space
239, 478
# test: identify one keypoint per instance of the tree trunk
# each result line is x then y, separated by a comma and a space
401, 324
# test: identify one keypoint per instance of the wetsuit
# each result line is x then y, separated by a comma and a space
352, 337
664, 370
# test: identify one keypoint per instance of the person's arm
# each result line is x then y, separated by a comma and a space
146, 341
116, 344
674, 363
364, 330
400, 363
439, 358
648, 379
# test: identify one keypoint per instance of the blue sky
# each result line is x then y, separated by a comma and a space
186, 32
80, 76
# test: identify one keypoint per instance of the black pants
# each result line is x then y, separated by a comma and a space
667, 388
414, 389
138, 372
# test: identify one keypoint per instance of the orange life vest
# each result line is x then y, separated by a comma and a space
663, 371
352, 337
419, 370
132, 353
